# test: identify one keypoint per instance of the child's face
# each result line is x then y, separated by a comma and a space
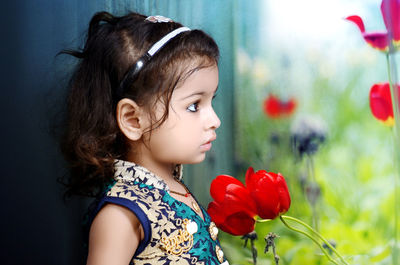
186, 135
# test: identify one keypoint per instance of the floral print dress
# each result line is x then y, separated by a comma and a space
174, 233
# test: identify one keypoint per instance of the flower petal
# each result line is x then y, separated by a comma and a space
249, 175
240, 202
380, 101
238, 224
276, 108
219, 184
358, 21
378, 40
391, 16
216, 213
284, 195
288, 107
270, 193
271, 106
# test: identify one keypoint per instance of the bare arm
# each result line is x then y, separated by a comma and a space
114, 236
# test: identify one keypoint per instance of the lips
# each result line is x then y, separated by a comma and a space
207, 146
211, 139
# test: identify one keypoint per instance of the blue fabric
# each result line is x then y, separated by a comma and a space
201, 243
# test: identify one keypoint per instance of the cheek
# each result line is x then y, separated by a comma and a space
184, 136
178, 131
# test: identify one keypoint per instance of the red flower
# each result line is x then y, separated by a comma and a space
235, 206
391, 15
233, 209
380, 102
275, 108
269, 191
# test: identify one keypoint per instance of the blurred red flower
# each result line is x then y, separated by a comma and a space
235, 206
269, 191
233, 209
390, 10
275, 108
380, 102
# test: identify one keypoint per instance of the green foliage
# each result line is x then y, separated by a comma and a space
354, 167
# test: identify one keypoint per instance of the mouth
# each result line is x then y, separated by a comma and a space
207, 146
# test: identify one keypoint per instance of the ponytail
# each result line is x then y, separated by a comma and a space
92, 139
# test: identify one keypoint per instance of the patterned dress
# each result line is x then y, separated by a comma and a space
173, 232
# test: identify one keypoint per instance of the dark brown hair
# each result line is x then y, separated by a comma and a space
92, 140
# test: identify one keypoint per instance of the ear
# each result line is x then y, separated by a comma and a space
131, 119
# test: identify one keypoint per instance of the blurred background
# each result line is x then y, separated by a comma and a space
336, 157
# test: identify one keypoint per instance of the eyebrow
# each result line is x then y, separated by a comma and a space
200, 93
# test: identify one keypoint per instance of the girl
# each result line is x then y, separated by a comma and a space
139, 106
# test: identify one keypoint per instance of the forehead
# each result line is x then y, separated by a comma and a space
184, 68
199, 80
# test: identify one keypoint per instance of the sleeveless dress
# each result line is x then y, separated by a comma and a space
173, 232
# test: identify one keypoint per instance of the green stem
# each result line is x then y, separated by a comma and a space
312, 201
310, 237
263, 220
310, 168
396, 139
315, 233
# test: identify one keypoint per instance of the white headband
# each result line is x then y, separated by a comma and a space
156, 46
153, 50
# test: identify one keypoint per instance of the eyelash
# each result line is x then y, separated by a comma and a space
196, 105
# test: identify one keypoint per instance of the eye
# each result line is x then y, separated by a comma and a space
193, 107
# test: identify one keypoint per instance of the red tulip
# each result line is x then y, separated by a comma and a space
380, 102
233, 209
235, 206
391, 15
269, 191
275, 108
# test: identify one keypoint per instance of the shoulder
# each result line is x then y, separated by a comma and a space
114, 236
125, 206
116, 218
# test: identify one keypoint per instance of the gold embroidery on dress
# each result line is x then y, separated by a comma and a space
162, 217
213, 230
219, 253
179, 243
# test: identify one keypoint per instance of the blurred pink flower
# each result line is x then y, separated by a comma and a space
390, 10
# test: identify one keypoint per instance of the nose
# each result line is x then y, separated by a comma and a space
214, 121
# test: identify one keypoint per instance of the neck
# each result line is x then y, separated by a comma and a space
162, 170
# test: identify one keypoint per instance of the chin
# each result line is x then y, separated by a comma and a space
196, 160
